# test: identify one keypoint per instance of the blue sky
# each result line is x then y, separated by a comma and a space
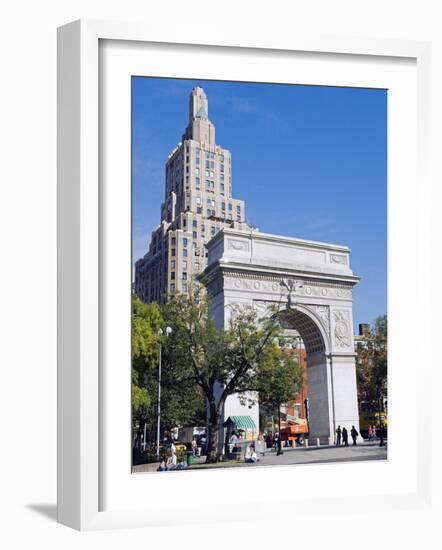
313, 157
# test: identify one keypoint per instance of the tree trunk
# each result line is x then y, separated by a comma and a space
213, 453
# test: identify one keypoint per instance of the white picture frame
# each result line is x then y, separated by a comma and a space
81, 395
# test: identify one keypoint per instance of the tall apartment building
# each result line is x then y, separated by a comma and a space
197, 204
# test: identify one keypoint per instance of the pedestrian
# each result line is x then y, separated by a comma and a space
345, 436
278, 444
232, 442
381, 436
338, 436
172, 447
354, 434
373, 432
370, 433
194, 446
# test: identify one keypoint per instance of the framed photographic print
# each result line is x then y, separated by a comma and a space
230, 218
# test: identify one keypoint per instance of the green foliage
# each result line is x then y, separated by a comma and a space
146, 322
200, 355
372, 359
280, 378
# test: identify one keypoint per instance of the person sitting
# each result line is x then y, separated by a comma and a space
171, 462
251, 455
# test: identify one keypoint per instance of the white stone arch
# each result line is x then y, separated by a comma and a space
312, 285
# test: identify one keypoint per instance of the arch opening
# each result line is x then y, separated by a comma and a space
318, 408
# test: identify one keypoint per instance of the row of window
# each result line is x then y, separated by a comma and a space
197, 251
196, 265
183, 287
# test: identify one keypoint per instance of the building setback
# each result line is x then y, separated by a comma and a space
197, 204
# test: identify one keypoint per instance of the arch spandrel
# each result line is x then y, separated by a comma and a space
311, 321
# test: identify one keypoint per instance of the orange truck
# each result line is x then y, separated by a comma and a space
296, 430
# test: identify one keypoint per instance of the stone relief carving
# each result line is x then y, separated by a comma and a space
338, 259
261, 307
238, 245
279, 288
323, 312
342, 328
292, 287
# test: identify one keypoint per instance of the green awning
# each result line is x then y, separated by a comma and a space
241, 422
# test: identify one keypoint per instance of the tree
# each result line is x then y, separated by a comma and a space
372, 365
183, 405
280, 379
146, 322
220, 362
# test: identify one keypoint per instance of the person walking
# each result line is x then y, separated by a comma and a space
354, 434
194, 446
338, 436
370, 433
345, 436
278, 444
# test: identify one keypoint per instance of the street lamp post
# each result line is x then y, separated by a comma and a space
160, 334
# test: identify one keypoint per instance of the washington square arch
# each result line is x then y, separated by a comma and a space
310, 283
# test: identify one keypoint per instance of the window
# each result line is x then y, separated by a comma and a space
198, 200
197, 266
199, 210
184, 285
172, 288
197, 171
222, 158
238, 208
172, 275
194, 223
197, 182
172, 264
222, 177
194, 235
230, 206
184, 264
172, 252
185, 252
223, 206
222, 188
184, 275
221, 167
197, 161
173, 241
212, 231
212, 175
207, 164
207, 173
184, 242
203, 227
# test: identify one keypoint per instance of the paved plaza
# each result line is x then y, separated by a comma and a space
325, 454
301, 455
